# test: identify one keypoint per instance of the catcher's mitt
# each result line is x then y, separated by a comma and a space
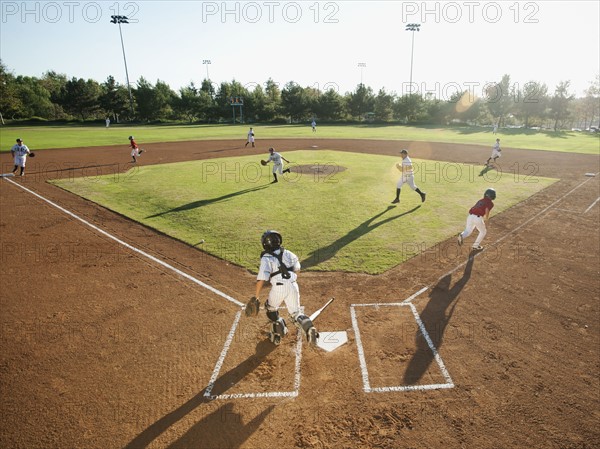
263, 162
252, 307
32, 154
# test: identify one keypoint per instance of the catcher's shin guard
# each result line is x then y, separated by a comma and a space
305, 323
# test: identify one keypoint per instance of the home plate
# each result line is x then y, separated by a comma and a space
330, 341
6, 175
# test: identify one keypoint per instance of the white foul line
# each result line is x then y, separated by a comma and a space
592, 205
130, 247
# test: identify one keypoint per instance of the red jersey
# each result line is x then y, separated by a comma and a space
133, 144
482, 205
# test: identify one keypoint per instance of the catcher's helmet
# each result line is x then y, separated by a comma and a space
490, 193
271, 240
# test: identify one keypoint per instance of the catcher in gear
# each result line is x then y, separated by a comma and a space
478, 215
280, 267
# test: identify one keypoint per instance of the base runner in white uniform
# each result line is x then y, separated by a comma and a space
19, 152
280, 267
407, 177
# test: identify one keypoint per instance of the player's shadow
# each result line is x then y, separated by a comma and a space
321, 255
488, 168
435, 317
202, 203
211, 431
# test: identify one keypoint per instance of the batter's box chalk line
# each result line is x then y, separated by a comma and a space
363, 363
267, 394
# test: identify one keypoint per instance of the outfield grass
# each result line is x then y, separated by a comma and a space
340, 222
44, 137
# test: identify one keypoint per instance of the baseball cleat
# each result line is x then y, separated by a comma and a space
423, 195
396, 201
477, 248
275, 338
460, 239
312, 336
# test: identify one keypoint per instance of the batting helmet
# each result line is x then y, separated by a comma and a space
130, 137
490, 193
271, 240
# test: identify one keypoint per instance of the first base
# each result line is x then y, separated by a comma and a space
7, 175
330, 341
591, 175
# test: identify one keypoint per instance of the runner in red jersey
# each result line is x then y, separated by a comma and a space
478, 215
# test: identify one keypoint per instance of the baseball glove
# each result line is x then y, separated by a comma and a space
252, 307
263, 162
32, 154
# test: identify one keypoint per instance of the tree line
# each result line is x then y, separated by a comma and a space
55, 96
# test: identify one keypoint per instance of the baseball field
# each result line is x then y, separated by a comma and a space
123, 286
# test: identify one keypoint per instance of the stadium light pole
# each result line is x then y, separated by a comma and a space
362, 65
207, 62
412, 27
119, 20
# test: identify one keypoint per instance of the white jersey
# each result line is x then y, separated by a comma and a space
275, 158
496, 150
270, 264
407, 168
20, 150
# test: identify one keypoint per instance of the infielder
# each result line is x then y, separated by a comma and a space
277, 158
407, 177
478, 215
495, 153
135, 150
19, 151
314, 126
250, 138
280, 267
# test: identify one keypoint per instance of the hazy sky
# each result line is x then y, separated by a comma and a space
461, 45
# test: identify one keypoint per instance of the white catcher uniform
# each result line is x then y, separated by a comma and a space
282, 289
20, 152
407, 174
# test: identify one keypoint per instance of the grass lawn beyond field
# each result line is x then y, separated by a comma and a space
341, 221
43, 137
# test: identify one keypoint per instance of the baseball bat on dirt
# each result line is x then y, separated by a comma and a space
318, 312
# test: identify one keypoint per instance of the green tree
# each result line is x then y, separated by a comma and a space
9, 100
295, 102
559, 104
81, 97
360, 101
272, 105
384, 106
331, 106
500, 99
55, 84
34, 98
533, 102
114, 99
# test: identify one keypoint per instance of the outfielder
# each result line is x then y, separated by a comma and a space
277, 158
478, 215
495, 152
407, 177
135, 150
19, 151
280, 267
